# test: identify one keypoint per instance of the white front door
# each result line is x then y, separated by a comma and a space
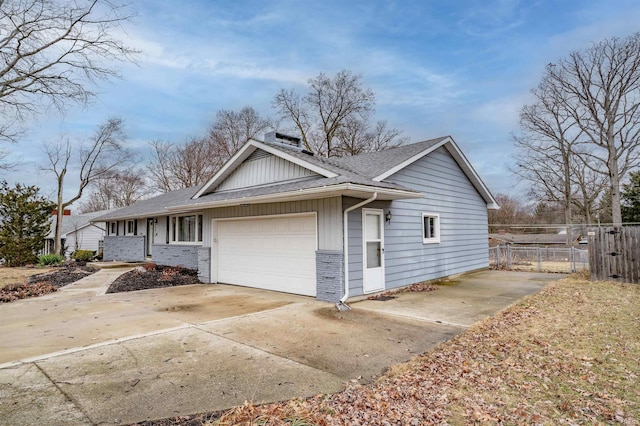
373, 250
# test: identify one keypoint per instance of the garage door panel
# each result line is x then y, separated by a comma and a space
275, 253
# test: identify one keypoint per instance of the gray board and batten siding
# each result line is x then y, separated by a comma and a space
328, 209
448, 192
262, 168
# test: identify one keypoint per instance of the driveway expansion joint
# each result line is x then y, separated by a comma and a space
415, 318
66, 395
345, 379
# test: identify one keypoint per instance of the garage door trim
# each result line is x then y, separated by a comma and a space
214, 233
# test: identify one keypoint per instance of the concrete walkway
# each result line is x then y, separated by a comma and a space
79, 358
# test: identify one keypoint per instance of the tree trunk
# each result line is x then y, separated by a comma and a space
57, 242
614, 179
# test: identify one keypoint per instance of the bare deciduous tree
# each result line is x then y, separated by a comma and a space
599, 88
97, 157
358, 137
193, 163
233, 129
52, 53
333, 117
182, 166
512, 212
118, 188
546, 155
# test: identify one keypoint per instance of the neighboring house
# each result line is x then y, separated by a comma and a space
278, 217
542, 240
79, 232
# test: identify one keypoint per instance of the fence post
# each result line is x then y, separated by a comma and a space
509, 256
539, 259
498, 256
572, 260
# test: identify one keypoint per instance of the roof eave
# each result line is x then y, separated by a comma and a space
462, 161
344, 189
244, 152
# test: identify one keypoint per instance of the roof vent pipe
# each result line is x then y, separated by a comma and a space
345, 222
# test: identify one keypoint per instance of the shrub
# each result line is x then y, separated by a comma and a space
82, 255
50, 259
149, 266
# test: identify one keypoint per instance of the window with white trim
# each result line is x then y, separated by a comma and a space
131, 227
430, 228
186, 228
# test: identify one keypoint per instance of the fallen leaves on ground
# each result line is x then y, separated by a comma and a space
43, 283
13, 292
567, 355
414, 288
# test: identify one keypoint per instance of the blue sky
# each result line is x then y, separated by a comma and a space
461, 68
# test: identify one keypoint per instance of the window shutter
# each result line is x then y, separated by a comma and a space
167, 229
135, 227
117, 227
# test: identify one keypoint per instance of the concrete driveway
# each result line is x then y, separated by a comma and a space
81, 357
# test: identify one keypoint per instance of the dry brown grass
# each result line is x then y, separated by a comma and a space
18, 275
568, 355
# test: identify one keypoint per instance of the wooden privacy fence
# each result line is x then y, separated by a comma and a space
614, 254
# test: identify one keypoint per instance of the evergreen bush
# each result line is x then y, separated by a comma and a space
82, 255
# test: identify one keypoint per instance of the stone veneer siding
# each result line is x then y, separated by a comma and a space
124, 248
176, 255
329, 275
204, 264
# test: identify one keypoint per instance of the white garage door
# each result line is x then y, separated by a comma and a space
274, 253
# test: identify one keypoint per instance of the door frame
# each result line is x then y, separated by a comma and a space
151, 231
380, 214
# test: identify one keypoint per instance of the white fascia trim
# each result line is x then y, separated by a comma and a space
244, 152
328, 191
411, 160
238, 157
457, 154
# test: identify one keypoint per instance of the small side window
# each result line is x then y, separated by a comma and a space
430, 228
131, 227
114, 228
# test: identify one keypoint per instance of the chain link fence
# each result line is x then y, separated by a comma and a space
541, 259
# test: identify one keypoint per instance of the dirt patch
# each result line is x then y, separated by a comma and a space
414, 288
39, 284
179, 308
151, 275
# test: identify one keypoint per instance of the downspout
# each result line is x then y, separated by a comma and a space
345, 222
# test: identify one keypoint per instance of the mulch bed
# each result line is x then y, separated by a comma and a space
41, 284
151, 275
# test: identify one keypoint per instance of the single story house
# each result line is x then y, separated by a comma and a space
278, 217
79, 232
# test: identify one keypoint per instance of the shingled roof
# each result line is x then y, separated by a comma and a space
375, 163
353, 176
75, 222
